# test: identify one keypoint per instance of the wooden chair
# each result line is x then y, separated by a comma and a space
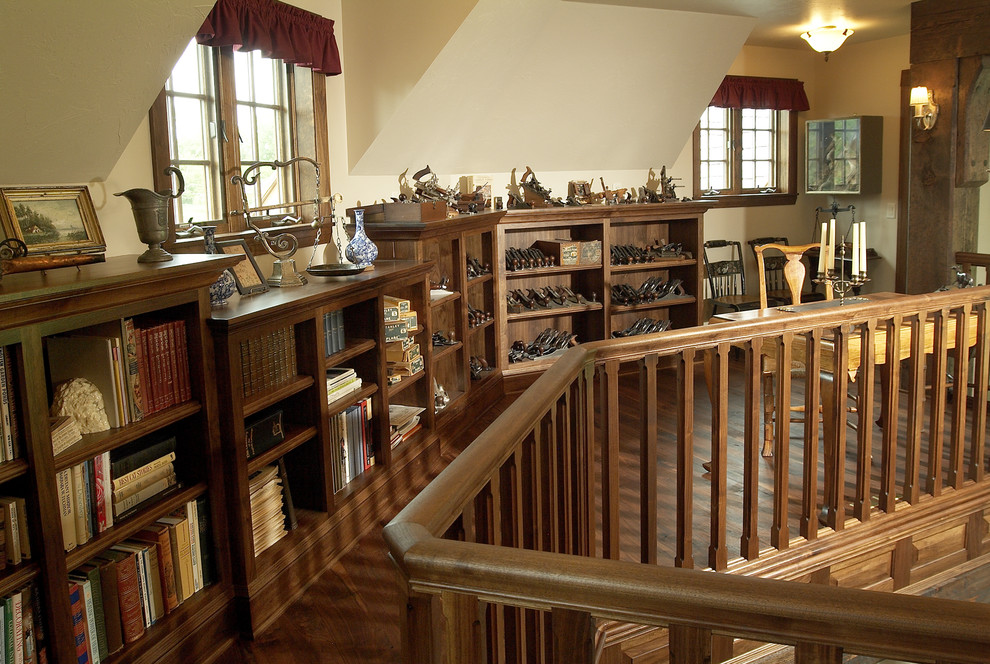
727, 278
793, 270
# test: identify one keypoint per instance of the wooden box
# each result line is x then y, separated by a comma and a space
397, 212
564, 252
591, 252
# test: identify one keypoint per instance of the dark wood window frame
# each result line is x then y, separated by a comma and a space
307, 136
787, 167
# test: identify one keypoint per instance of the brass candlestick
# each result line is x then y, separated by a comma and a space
837, 280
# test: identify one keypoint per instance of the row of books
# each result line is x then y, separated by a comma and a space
95, 493
117, 595
10, 435
268, 360
404, 422
139, 370
341, 381
333, 331
351, 435
15, 542
22, 637
272, 512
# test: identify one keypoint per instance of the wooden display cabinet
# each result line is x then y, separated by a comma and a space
330, 505
458, 312
844, 155
35, 307
599, 316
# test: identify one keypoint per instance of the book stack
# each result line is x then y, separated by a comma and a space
267, 515
350, 433
268, 361
15, 544
404, 421
263, 432
401, 325
65, 433
142, 475
10, 447
84, 498
139, 370
333, 331
341, 381
120, 593
21, 616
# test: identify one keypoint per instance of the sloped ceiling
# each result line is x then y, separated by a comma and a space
77, 78
548, 83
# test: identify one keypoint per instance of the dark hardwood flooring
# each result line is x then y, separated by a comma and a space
350, 614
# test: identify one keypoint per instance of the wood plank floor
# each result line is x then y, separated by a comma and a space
350, 614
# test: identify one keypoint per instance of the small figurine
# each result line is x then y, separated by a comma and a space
428, 189
535, 193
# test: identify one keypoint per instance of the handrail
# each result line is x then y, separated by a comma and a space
762, 609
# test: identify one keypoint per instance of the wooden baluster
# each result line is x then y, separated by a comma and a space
510, 486
812, 397
864, 420
779, 532
552, 482
834, 426
936, 413
574, 634
690, 645
468, 523
890, 384
565, 451
960, 394
648, 459
497, 614
462, 629
608, 376
915, 412
817, 653
749, 541
684, 556
419, 632
978, 431
717, 553
585, 405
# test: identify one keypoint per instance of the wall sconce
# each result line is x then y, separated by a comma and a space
925, 108
826, 39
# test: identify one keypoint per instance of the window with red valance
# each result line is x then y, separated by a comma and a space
745, 146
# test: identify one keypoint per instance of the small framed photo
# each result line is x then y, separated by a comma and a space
247, 274
51, 220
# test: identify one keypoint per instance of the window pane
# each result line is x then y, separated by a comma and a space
194, 204
189, 139
265, 91
748, 117
242, 76
764, 174
764, 145
187, 73
717, 145
748, 175
718, 177
748, 145
245, 127
268, 134
763, 118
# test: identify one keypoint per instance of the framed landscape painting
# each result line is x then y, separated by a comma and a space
51, 220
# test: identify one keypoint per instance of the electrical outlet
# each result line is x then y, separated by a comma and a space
891, 211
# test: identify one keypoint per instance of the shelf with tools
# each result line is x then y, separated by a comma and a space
463, 315
574, 274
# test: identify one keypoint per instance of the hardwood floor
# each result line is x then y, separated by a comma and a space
350, 614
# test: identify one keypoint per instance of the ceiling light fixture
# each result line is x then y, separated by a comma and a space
826, 39
925, 108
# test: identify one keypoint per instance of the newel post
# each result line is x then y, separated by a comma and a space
420, 627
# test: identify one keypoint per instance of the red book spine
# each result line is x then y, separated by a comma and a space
100, 484
129, 598
168, 395
149, 371
180, 327
157, 375
78, 624
173, 362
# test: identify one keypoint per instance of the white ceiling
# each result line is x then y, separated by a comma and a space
780, 22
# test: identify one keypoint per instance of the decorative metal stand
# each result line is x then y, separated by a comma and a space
282, 246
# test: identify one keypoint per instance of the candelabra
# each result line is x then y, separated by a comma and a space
837, 280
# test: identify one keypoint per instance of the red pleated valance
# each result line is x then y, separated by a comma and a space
276, 29
779, 94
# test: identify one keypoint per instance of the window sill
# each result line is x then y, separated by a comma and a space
749, 200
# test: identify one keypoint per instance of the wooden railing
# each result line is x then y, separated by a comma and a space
515, 552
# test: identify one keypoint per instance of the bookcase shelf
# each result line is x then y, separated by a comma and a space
170, 300
447, 299
444, 351
327, 495
662, 303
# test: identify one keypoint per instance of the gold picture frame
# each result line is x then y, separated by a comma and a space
51, 220
247, 274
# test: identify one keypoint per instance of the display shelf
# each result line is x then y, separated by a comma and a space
447, 299
407, 381
662, 303
444, 351
550, 271
13, 469
660, 264
288, 389
554, 311
15, 577
353, 348
477, 281
341, 404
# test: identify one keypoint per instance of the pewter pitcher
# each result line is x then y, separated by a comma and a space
151, 216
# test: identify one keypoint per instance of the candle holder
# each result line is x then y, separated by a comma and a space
837, 280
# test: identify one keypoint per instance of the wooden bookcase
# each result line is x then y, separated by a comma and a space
637, 224
36, 306
329, 516
448, 244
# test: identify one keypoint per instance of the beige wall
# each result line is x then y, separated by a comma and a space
858, 79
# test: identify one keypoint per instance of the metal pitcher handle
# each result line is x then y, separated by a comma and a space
182, 183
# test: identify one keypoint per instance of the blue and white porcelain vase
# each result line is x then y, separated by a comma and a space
224, 287
360, 250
